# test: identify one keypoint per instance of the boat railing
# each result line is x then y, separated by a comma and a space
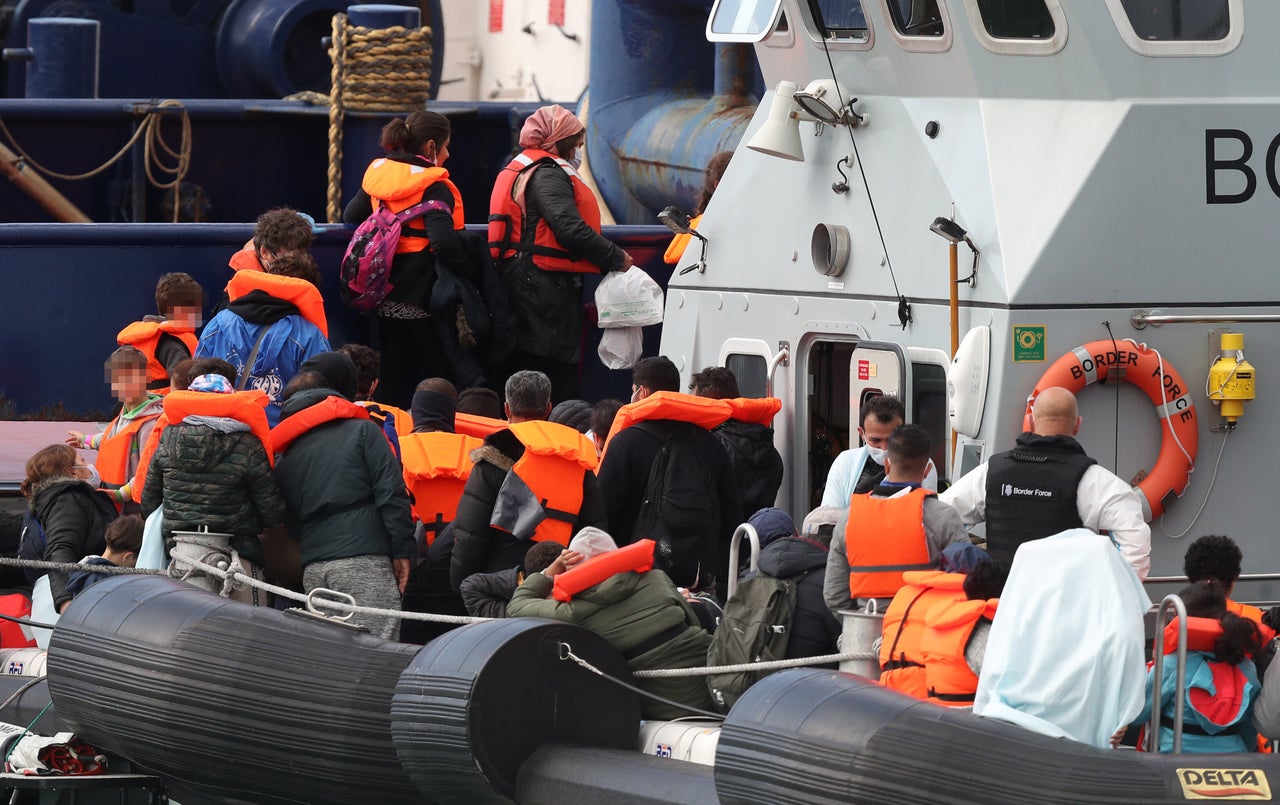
745, 530
1157, 681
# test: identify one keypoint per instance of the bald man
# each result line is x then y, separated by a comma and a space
1046, 485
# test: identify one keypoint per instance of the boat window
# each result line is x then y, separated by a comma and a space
1016, 19
742, 20
752, 374
929, 409
841, 19
917, 17
1178, 20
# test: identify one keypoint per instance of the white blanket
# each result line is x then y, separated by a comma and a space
1065, 656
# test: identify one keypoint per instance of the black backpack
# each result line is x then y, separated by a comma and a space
756, 627
680, 509
31, 545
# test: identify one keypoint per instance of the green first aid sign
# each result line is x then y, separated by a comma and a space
1028, 343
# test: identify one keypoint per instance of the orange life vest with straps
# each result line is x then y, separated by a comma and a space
400, 185
436, 468
759, 411
507, 208
901, 661
948, 627
883, 539
329, 409
302, 294
1254, 614
113, 453
249, 407
637, 557
145, 336
246, 260
555, 459
144, 459
476, 425
701, 411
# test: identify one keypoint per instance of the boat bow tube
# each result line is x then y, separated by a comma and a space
815, 736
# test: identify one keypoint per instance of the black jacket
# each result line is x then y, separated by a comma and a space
343, 489
624, 475
814, 630
476, 325
414, 273
548, 304
486, 595
480, 548
75, 519
757, 465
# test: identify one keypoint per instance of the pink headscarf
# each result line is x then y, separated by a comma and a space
548, 125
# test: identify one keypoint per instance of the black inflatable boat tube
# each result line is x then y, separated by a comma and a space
240, 702
816, 736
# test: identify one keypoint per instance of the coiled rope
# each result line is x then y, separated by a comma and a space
372, 70
155, 150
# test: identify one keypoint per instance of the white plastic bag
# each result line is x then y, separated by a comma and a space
43, 611
152, 555
628, 299
620, 348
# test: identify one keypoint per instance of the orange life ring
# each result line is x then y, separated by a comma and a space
1143, 367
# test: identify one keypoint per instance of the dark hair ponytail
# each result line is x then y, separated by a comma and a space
409, 134
1239, 639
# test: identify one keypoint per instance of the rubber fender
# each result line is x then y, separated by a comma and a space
558, 774
815, 736
237, 702
476, 702
29, 704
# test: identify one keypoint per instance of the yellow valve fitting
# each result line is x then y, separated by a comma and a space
1231, 378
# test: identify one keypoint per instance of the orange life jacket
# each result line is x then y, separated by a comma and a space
701, 411
948, 627
1202, 634
555, 459
883, 539
246, 260
400, 185
145, 335
901, 661
249, 407
329, 409
436, 469
302, 294
401, 419
679, 243
637, 557
506, 215
476, 425
1254, 614
113, 452
148, 452
759, 411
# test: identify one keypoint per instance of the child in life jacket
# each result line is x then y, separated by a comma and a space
120, 445
169, 338
1221, 680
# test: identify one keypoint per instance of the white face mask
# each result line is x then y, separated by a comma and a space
576, 159
94, 480
877, 454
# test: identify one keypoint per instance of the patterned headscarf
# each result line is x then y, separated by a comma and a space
547, 126
214, 383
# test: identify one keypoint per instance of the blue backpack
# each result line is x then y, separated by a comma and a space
366, 267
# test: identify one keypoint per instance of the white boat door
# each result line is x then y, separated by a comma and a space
875, 368
915, 375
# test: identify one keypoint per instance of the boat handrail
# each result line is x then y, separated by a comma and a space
1183, 579
745, 530
1157, 680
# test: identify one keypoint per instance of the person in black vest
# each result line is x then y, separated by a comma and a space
757, 464
1046, 485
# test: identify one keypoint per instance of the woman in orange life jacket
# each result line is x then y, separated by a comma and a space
413, 171
548, 237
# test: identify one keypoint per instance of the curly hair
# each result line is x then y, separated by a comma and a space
1213, 557
716, 382
368, 361
299, 265
281, 231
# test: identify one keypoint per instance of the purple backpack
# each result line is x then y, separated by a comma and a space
366, 267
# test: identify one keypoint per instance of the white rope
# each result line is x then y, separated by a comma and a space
72, 567
774, 665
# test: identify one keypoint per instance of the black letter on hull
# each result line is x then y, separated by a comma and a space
1212, 165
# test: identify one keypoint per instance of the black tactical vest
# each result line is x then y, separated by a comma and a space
1031, 491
